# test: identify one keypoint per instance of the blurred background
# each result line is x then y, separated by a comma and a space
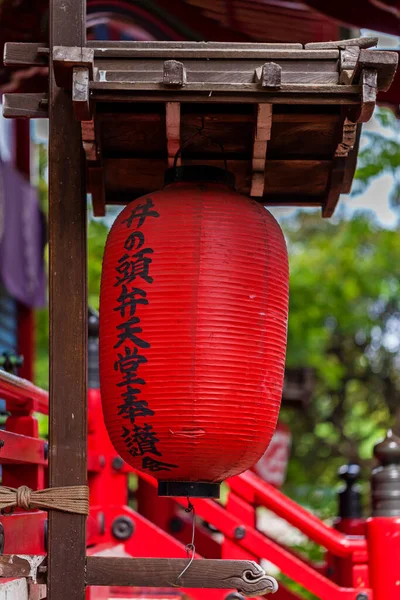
343, 364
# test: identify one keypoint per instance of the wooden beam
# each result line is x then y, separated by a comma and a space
262, 133
17, 54
68, 314
164, 51
25, 106
241, 89
195, 45
362, 42
244, 575
173, 131
319, 95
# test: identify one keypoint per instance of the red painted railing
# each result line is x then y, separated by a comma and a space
159, 526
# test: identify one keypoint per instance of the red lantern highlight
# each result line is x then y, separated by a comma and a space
193, 320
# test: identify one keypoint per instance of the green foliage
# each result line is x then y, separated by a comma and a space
380, 155
345, 324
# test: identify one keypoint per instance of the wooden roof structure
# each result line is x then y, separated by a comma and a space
285, 117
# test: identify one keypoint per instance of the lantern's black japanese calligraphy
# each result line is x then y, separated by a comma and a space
132, 274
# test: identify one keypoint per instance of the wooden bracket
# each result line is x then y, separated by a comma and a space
244, 575
174, 73
32, 567
335, 185
95, 170
269, 75
25, 106
173, 131
67, 58
262, 134
368, 96
81, 94
348, 61
348, 140
383, 62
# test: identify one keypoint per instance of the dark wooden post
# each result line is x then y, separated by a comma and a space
68, 314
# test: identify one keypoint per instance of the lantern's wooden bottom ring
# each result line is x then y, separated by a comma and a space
188, 489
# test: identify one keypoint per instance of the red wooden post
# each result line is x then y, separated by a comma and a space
383, 529
26, 320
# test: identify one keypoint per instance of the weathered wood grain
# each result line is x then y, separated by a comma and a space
214, 52
385, 63
269, 75
348, 139
243, 65
239, 88
80, 94
194, 45
347, 95
125, 176
68, 315
335, 186
245, 576
17, 54
362, 42
25, 106
173, 131
262, 133
174, 73
21, 565
265, 79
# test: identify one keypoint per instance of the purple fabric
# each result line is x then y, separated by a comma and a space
22, 239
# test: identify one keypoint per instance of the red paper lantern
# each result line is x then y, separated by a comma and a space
193, 320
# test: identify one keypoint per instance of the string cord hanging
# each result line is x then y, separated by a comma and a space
190, 548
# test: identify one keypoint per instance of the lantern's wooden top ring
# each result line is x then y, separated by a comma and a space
189, 489
195, 173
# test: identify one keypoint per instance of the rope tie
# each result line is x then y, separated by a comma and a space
70, 499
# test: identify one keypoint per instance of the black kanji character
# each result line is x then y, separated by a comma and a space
128, 300
130, 242
128, 332
130, 267
141, 212
132, 407
153, 465
129, 362
141, 440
